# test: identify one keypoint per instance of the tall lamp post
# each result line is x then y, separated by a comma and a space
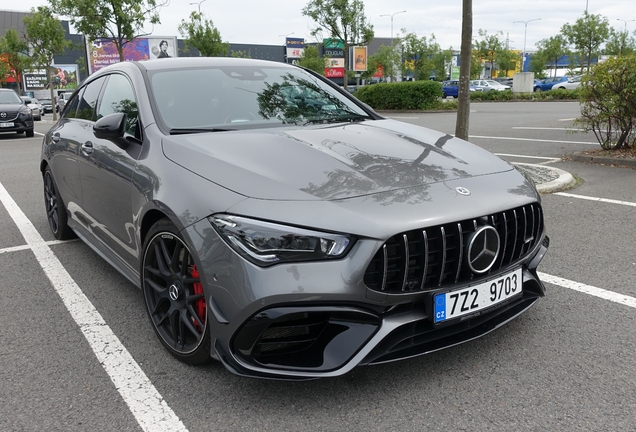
392, 15
525, 32
198, 4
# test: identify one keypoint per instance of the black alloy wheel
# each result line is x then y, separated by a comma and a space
55, 210
174, 295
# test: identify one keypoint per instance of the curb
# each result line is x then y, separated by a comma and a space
547, 179
578, 157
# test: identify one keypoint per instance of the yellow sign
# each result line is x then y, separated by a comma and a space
360, 58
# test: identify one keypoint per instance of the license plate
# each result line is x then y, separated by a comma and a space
455, 304
10, 124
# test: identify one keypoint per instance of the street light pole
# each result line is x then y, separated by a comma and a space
525, 32
392, 15
625, 21
198, 4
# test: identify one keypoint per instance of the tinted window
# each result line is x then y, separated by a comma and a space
119, 97
70, 110
88, 101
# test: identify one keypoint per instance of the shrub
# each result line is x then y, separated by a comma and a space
419, 95
608, 102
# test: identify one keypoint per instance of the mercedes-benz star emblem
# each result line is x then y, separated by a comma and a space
462, 191
483, 249
174, 292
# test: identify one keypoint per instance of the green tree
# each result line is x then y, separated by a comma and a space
550, 50
45, 36
608, 102
587, 35
506, 61
386, 59
343, 20
488, 47
240, 54
311, 59
441, 63
16, 51
120, 21
418, 55
201, 34
620, 43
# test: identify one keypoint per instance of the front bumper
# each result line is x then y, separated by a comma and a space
315, 320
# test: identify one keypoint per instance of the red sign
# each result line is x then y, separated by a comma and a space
379, 73
334, 72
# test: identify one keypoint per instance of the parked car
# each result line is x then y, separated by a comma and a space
451, 88
287, 239
15, 115
571, 84
35, 107
61, 100
47, 106
505, 81
488, 85
547, 83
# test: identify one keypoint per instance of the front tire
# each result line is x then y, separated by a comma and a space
55, 209
30, 133
174, 296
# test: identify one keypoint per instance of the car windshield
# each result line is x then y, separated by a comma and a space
9, 97
238, 97
493, 82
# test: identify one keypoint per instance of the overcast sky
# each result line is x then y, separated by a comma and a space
267, 22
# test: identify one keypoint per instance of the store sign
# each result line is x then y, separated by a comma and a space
334, 52
335, 63
335, 72
295, 47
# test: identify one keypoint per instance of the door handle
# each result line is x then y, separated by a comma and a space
87, 147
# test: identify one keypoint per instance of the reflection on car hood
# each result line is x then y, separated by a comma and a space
329, 162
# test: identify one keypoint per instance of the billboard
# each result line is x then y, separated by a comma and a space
63, 77
335, 72
102, 52
295, 47
359, 57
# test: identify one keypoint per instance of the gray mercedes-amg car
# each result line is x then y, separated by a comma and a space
277, 224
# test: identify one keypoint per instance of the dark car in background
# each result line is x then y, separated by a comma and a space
15, 115
547, 83
47, 105
451, 88
275, 223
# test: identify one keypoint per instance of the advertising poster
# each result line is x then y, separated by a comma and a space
359, 58
63, 77
335, 63
103, 52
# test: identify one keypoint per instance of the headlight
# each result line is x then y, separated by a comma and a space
267, 243
25, 112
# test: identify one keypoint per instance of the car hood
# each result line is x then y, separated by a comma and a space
329, 162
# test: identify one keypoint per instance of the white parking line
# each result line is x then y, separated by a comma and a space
589, 198
26, 247
547, 128
533, 140
588, 289
144, 401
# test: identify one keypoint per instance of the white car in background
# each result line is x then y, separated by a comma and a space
34, 105
570, 84
487, 85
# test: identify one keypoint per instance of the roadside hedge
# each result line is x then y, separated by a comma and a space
410, 95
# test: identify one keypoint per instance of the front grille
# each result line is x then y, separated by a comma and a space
8, 116
434, 257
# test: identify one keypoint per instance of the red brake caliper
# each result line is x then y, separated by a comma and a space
199, 305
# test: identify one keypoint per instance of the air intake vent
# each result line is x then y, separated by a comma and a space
434, 257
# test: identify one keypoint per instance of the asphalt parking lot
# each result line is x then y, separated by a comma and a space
77, 351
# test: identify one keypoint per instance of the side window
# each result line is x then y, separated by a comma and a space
86, 108
119, 97
70, 111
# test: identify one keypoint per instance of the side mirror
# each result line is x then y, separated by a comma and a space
112, 127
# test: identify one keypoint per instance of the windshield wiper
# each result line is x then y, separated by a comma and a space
182, 131
340, 119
